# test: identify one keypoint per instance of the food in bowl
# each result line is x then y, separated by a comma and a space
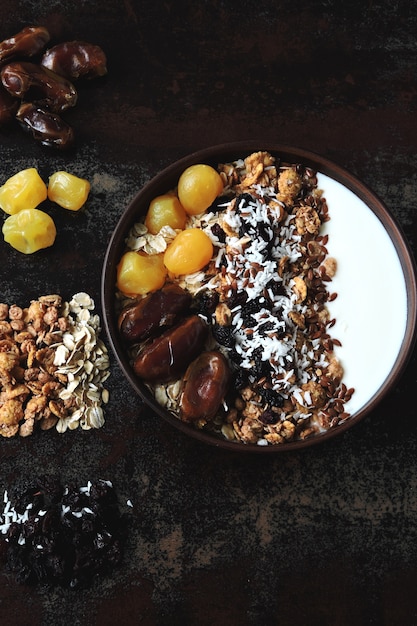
235, 336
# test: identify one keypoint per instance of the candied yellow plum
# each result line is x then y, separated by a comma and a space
24, 190
190, 251
68, 191
198, 187
165, 210
29, 230
139, 273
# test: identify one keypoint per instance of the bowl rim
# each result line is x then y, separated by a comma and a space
227, 152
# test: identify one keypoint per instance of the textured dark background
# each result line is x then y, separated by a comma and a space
326, 536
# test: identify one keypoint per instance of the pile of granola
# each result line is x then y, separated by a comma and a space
264, 296
52, 366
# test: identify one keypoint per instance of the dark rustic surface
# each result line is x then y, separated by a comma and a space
326, 536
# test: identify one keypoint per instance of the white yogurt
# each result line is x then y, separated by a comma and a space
371, 306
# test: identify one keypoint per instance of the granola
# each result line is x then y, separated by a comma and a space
268, 280
52, 366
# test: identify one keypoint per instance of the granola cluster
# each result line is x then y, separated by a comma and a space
264, 296
52, 366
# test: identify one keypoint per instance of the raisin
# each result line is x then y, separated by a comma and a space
243, 202
60, 547
223, 335
268, 417
271, 397
218, 232
241, 378
260, 367
237, 298
205, 302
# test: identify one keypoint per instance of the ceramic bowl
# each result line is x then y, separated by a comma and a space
375, 310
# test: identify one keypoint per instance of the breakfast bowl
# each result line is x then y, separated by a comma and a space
276, 337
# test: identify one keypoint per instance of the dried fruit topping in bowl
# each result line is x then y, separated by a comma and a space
250, 355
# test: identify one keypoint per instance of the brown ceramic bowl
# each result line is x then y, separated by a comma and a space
358, 213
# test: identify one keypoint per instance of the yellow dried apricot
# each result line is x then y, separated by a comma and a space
198, 186
139, 273
24, 190
190, 251
29, 230
165, 210
68, 191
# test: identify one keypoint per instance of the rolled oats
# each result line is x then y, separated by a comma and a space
52, 366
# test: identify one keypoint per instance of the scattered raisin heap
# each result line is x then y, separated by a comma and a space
63, 535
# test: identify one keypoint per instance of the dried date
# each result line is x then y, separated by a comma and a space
168, 356
26, 43
38, 84
76, 59
205, 384
8, 106
154, 313
46, 127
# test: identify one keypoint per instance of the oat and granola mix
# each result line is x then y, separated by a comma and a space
53, 366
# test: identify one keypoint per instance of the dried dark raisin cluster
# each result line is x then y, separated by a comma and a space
69, 536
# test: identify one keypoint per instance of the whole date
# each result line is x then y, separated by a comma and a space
167, 357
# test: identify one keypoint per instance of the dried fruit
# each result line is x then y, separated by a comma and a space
76, 59
154, 313
37, 84
169, 355
190, 251
26, 43
63, 534
45, 126
205, 384
29, 230
68, 191
138, 274
8, 106
165, 210
24, 190
198, 186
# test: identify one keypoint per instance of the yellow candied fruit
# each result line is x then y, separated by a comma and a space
190, 251
165, 210
198, 187
29, 230
24, 190
139, 273
68, 191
